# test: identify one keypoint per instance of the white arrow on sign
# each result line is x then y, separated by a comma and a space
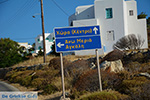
95, 29
60, 45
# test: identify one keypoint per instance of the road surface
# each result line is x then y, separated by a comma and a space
6, 87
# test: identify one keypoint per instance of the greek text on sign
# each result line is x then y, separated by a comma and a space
76, 31
77, 38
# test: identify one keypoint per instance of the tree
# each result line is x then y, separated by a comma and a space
148, 23
142, 15
10, 53
40, 52
54, 51
130, 41
33, 48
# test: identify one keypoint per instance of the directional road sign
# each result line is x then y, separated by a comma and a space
77, 38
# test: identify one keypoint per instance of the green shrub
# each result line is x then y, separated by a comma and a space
131, 85
141, 93
75, 94
137, 57
8, 75
49, 89
37, 83
145, 67
119, 95
26, 81
133, 66
15, 77
100, 96
104, 95
124, 75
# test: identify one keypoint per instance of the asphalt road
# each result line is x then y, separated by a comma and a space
7, 87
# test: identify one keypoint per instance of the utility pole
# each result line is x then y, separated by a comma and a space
43, 31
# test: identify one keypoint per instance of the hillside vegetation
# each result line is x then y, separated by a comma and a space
82, 81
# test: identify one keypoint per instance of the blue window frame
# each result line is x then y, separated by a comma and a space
39, 47
38, 40
47, 38
109, 13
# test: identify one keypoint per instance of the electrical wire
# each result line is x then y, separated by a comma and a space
60, 8
23, 38
3, 1
27, 6
65, 11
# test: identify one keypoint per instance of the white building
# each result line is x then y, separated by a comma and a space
25, 47
49, 37
116, 19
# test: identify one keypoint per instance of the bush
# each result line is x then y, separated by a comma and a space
90, 81
123, 75
142, 93
55, 63
100, 96
133, 67
13, 76
104, 95
26, 81
130, 41
10, 53
77, 68
145, 67
58, 83
37, 83
22, 77
131, 86
49, 89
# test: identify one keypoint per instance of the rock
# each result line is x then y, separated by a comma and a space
112, 66
113, 55
145, 74
61, 98
66, 97
105, 64
92, 66
92, 60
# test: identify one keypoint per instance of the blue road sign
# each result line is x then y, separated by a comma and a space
76, 31
77, 38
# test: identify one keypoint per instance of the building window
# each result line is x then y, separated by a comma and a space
47, 38
110, 35
131, 12
38, 40
71, 24
39, 47
109, 13
50, 40
51, 47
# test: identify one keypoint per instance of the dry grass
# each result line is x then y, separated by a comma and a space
39, 60
34, 61
73, 57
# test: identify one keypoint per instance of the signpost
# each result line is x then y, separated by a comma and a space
75, 39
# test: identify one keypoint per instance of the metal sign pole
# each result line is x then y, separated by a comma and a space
62, 75
99, 73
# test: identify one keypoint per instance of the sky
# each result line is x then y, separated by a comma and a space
17, 23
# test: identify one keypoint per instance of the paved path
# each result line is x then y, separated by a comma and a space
6, 87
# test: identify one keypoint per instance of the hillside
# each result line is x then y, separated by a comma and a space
81, 77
